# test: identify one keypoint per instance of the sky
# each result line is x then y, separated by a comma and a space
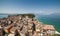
45, 7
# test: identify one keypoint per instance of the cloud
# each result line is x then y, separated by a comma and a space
14, 10
49, 11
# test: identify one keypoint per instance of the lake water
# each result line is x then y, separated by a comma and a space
55, 22
2, 16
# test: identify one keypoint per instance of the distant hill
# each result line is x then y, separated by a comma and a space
23, 15
54, 15
4, 14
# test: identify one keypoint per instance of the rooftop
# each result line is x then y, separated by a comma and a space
48, 27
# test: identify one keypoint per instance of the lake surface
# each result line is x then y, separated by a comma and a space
3, 16
52, 21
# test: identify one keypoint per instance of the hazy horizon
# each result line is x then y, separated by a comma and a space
45, 7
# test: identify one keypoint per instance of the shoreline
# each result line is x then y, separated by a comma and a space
53, 25
27, 19
56, 27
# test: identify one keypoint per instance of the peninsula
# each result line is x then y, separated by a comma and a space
24, 25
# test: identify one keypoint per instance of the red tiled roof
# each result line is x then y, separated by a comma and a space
48, 27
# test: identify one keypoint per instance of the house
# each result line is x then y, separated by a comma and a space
11, 34
38, 28
48, 29
1, 33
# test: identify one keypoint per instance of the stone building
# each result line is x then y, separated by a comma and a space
48, 30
